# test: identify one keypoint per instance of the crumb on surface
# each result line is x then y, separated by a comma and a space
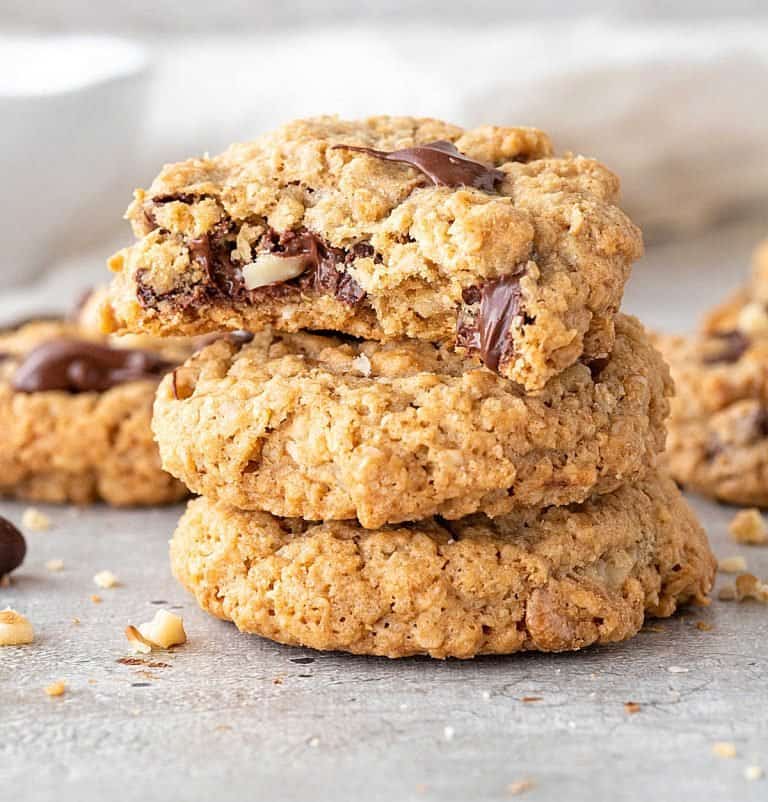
165, 630
677, 670
54, 566
732, 565
105, 579
753, 773
95, 598
56, 688
35, 520
704, 626
520, 787
724, 749
632, 707
15, 629
748, 526
747, 586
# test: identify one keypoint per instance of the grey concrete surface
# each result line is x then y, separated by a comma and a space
232, 717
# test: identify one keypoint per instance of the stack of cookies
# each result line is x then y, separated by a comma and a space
439, 436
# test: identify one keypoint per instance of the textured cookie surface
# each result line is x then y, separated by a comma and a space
526, 267
718, 428
322, 428
67, 446
551, 580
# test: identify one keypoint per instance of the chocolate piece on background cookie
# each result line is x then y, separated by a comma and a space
76, 413
383, 229
325, 428
550, 580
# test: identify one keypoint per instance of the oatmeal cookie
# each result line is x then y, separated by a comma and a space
383, 229
75, 412
323, 427
717, 442
550, 580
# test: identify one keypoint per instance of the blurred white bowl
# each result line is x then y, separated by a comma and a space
70, 113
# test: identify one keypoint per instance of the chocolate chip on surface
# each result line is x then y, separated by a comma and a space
13, 547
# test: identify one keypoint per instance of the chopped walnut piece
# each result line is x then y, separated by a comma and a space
35, 520
15, 629
732, 565
139, 644
724, 749
748, 526
105, 579
163, 631
56, 688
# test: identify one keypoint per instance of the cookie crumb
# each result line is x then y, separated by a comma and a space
748, 526
95, 598
529, 699
54, 566
727, 593
15, 629
704, 626
56, 688
753, 773
632, 707
35, 520
277, 681
314, 742
678, 670
520, 787
724, 749
732, 565
448, 733
76, 621
105, 579
748, 586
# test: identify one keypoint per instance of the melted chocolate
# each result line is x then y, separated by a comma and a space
441, 162
489, 331
326, 269
79, 366
734, 345
13, 547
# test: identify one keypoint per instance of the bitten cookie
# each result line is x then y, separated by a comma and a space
75, 412
548, 580
718, 428
323, 428
383, 229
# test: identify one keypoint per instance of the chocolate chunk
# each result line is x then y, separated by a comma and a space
13, 547
488, 331
79, 366
441, 162
758, 423
732, 346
